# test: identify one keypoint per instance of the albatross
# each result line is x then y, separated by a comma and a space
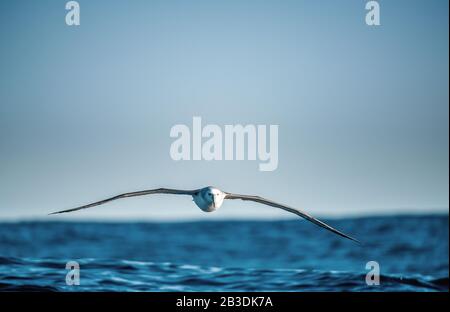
209, 199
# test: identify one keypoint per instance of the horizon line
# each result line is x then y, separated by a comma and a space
442, 213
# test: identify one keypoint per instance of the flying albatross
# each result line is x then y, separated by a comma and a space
210, 199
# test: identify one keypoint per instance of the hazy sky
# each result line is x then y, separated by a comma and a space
86, 112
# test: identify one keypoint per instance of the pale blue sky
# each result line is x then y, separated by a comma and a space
85, 112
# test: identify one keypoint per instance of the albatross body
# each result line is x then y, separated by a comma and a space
209, 199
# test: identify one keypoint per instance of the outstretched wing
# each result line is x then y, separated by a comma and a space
302, 214
132, 194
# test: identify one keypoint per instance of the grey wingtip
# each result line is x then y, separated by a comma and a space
351, 238
54, 213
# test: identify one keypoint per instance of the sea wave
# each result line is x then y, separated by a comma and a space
412, 253
129, 275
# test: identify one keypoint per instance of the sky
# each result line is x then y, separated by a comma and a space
86, 111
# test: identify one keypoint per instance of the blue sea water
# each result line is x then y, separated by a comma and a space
294, 255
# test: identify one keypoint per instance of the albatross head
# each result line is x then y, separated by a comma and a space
209, 198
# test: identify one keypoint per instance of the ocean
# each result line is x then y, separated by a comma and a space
412, 253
